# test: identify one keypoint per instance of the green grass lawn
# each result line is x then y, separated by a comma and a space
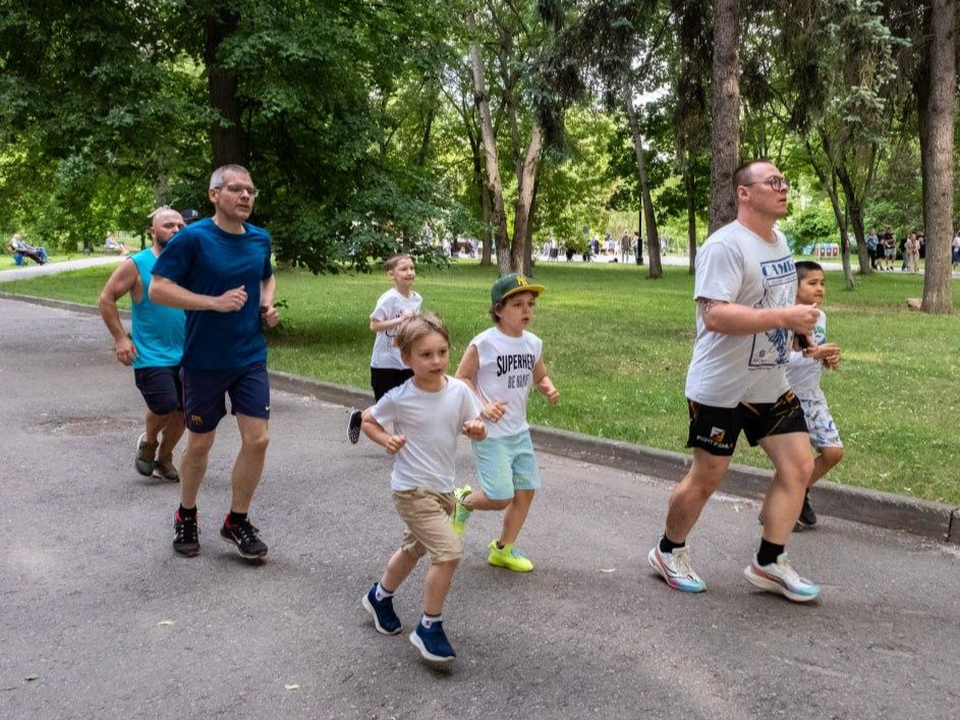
617, 345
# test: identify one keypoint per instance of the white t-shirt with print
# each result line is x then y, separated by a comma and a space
737, 266
431, 422
803, 373
390, 306
506, 373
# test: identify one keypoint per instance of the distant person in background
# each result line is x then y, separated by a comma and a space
190, 216
889, 250
17, 246
625, 247
956, 250
872, 242
111, 244
911, 255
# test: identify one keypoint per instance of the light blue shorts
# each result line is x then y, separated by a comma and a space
506, 464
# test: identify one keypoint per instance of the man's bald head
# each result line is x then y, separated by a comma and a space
166, 223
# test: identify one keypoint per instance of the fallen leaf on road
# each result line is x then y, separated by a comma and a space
291, 686
165, 622
31, 678
608, 570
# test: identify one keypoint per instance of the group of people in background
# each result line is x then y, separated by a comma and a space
884, 249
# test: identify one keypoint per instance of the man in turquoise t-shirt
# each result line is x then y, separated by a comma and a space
219, 271
154, 351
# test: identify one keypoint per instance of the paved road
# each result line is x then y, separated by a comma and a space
88, 583
53, 268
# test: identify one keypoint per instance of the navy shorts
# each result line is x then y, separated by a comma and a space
383, 380
205, 391
716, 429
160, 387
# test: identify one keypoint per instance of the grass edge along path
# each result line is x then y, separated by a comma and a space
618, 345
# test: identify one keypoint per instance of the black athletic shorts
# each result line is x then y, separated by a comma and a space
716, 429
160, 387
383, 380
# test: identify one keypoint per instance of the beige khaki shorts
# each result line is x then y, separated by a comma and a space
429, 532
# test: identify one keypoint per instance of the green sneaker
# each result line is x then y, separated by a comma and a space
145, 459
509, 557
461, 513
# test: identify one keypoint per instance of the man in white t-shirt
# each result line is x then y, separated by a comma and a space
387, 370
746, 286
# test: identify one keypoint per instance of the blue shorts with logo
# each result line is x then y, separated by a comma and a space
160, 387
205, 392
505, 465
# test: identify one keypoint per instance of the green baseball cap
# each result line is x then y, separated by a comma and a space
511, 285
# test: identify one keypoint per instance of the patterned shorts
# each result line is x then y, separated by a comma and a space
820, 425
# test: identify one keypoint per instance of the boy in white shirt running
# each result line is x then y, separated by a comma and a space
803, 374
387, 370
501, 364
418, 423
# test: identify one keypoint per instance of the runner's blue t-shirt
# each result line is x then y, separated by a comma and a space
208, 261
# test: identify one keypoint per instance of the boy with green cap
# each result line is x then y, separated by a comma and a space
501, 365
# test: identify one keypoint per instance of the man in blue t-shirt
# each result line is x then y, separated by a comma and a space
219, 271
154, 351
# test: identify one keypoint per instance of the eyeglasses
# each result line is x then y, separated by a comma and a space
238, 189
775, 183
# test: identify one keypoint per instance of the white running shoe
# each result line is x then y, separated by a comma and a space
674, 567
780, 577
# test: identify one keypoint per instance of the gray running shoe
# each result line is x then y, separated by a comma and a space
165, 469
145, 460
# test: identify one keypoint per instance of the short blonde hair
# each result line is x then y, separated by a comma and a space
415, 328
391, 262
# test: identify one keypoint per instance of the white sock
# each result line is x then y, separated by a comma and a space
428, 620
381, 594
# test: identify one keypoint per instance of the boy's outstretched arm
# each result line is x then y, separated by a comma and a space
543, 383
381, 325
374, 430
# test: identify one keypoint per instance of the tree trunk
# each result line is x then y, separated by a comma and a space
937, 151
838, 214
486, 258
690, 183
854, 207
525, 192
845, 247
494, 183
227, 140
725, 136
528, 237
649, 217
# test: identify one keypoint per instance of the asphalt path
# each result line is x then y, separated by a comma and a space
32, 270
101, 620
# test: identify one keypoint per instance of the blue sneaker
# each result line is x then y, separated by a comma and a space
385, 620
432, 643
779, 577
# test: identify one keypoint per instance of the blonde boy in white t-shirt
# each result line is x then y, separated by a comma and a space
502, 364
387, 369
418, 423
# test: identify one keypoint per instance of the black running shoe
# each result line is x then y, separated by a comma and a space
353, 429
186, 538
808, 518
244, 536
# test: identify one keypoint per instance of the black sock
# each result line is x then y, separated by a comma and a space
768, 552
668, 546
187, 513
235, 518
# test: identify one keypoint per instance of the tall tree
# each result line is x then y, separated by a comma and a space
937, 101
649, 214
725, 135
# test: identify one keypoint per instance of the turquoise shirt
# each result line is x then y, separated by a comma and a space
158, 331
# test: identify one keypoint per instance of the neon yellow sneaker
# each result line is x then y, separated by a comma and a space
461, 513
509, 557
